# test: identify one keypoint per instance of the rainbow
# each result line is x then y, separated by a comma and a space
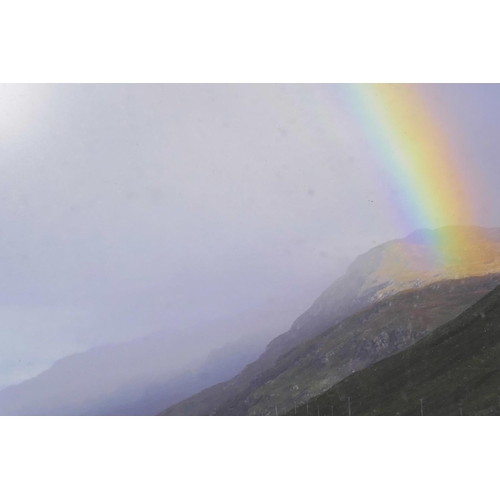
419, 161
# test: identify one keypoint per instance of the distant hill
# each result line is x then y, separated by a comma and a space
139, 377
381, 273
455, 370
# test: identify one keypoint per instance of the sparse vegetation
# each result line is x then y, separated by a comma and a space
453, 371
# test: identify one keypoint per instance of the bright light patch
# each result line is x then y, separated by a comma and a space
20, 107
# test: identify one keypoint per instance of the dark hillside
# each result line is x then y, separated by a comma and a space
455, 370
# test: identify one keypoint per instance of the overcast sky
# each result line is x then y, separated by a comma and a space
125, 209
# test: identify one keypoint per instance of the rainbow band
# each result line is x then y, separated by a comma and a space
418, 159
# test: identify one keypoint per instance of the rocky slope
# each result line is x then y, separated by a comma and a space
382, 272
376, 332
452, 371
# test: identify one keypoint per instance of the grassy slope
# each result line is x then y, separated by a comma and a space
381, 330
381, 272
454, 369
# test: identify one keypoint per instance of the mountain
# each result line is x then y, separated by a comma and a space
376, 332
87, 383
382, 272
140, 376
452, 371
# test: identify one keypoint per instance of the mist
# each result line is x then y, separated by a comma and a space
128, 210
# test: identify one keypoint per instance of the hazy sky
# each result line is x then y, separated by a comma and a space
131, 208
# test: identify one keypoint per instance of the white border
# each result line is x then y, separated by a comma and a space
259, 41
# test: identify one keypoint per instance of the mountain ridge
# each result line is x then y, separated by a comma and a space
452, 371
380, 330
383, 271
136, 377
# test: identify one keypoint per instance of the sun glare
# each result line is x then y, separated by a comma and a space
20, 107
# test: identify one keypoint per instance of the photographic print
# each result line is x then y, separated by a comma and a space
250, 249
